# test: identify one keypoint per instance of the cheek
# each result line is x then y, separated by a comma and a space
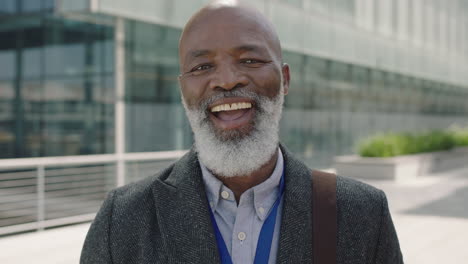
192, 91
268, 82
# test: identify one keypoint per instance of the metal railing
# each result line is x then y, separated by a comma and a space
37, 193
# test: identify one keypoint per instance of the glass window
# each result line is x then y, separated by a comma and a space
339, 74
31, 5
417, 94
48, 4
360, 82
323, 94
107, 49
7, 7
295, 98
7, 64
65, 59
152, 90
404, 98
8, 93
32, 99
447, 96
7, 135
316, 81
32, 62
76, 118
377, 86
431, 97
64, 106
77, 48
360, 77
392, 93
102, 59
339, 84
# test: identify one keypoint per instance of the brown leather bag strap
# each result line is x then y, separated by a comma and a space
324, 223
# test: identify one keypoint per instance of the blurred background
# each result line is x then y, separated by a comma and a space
89, 98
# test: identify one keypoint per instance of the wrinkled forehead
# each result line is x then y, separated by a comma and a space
210, 27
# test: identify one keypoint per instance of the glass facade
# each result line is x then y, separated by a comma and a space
56, 86
155, 118
332, 105
57, 90
15, 7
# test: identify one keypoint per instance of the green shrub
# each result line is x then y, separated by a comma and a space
385, 145
397, 144
461, 137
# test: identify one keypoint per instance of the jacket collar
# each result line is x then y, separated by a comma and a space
182, 213
184, 220
295, 241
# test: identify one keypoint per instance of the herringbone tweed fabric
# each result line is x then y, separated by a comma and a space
165, 219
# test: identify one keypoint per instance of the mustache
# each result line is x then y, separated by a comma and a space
227, 94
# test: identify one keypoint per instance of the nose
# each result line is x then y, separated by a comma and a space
228, 77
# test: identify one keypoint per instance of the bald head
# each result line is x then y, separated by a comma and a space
219, 18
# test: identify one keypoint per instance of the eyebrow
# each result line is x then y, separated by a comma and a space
191, 55
248, 48
198, 53
204, 52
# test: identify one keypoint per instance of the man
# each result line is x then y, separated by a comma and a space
238, 195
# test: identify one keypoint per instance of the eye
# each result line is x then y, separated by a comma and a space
202, 67
252, 62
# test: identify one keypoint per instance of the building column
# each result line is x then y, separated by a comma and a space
119, 71
18, 104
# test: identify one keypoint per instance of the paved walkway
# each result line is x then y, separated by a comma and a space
430, 215
54, 246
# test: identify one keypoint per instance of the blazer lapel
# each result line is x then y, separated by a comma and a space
184, 220
295, 242
182, 214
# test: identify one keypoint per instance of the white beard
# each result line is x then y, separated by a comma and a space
231, 153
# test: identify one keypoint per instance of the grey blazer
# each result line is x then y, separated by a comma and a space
165, 219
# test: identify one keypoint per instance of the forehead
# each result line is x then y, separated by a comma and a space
224, 30
224, 35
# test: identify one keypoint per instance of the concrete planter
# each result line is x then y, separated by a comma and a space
401, 167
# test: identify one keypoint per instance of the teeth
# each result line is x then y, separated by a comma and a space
228, 107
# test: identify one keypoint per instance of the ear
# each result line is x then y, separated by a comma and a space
286, 77
179, 79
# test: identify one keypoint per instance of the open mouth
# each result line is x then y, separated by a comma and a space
232, 115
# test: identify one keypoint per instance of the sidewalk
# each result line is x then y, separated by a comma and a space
430, 215
55, 246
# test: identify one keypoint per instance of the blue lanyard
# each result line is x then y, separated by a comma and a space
262, 253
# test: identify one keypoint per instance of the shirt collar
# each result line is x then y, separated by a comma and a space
213, 186
264, 194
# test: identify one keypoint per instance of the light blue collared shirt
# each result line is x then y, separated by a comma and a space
240, 225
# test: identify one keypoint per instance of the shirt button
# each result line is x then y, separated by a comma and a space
224, 194
241, 236
261, 210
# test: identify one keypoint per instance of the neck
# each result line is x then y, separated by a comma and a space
239, 184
